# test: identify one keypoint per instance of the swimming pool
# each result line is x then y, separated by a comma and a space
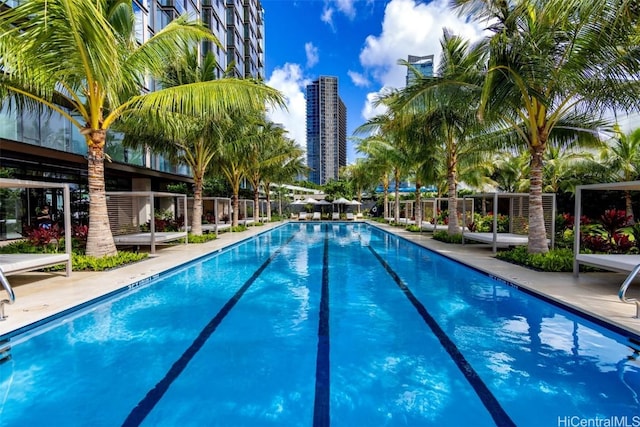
321, 324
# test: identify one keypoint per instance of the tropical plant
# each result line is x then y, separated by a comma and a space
620, 158
81, 60
553, 71
446, 105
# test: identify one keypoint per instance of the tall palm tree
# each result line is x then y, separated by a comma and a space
387, 136
621, 159
446, 104
269, 150
553, 69
192, 141
239, 133
380, 160
80, 59
287, 170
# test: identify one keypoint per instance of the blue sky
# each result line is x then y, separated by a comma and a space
358, 41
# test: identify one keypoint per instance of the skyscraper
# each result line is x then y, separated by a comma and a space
423, 64
39, 145
326, 130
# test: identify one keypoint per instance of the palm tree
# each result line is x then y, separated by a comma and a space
270, 150
380, 159
290, 166
239, 133
552, 69
446, 104
621, 159
81, 60
388, 140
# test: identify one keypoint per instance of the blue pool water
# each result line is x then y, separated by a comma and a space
318, 325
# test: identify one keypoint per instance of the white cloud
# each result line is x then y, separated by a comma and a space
312, 54
358, 79
409, 28
345, 7
327, 16
291, 82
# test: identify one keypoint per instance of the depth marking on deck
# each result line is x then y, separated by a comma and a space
146, 405
321, 407
490, 402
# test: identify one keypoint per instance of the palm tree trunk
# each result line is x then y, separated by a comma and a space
453, 227
629, 207
418, 213
235, 206
537, 230
196, 220
256, 203
99, 237
385, 198
396, 213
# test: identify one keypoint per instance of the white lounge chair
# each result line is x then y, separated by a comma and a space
316, 216
302, 216
350, 216
335, 216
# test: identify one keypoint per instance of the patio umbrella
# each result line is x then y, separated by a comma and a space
355, 203
341, 201
322, 203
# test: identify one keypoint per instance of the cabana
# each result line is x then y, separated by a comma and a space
431, 208
518, 212
132, 217
216, 212
20, 263
245, 213
613, 262
406, 208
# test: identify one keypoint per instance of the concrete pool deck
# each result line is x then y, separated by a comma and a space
40, 295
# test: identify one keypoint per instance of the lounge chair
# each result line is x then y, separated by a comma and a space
302, 216
350, 216
335, 216
316, 216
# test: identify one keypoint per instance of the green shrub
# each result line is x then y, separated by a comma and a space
413, 228
444, 236
203, 238
89, 263
239, 228
556, 260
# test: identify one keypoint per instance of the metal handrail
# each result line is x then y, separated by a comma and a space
12, 295
623, 290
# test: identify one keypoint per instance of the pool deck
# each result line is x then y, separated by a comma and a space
40, 295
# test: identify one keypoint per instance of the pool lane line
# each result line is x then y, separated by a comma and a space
146, 405
490, 402
321, 406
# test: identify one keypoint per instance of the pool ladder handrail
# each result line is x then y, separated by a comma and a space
12, 296
623, 290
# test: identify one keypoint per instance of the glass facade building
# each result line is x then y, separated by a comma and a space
326, 130
423, 64
38, 145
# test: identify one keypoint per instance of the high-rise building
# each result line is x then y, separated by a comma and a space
326, 130
43, 146
423, 64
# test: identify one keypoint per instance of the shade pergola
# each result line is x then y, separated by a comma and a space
518, 212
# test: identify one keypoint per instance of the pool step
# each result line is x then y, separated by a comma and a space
5, 351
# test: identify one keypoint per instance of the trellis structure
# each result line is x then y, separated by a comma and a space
216, 212
518, 212
19, 263
432, 207
132, 217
